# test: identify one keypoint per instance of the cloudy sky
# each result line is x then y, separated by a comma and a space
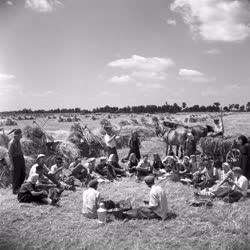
89, 53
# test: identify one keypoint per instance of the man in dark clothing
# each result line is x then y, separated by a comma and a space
244, 156
105, 169
17, 163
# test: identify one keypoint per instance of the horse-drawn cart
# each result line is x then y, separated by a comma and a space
221, 149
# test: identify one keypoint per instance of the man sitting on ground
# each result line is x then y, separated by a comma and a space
112, 160
28, 192
157, 207
105, 170
91, 200
43, 172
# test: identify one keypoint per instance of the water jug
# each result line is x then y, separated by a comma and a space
102, 214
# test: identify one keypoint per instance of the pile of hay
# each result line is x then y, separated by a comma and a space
10, 122
142, 131
34, 141
145, 122
88, 143
134, 121
4, 170
216, 146
124, 123
67, 150
4, 140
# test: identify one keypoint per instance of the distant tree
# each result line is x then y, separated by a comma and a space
231, 107
184, 105
248, 107
237, 106
226, 109
242, 108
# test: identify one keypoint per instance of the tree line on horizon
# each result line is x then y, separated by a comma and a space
166, 108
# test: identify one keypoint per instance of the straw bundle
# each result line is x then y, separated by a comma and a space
4, 170
124, 123
134, 121
155, 119
4, 140
89, 144
67, 150
10, 122
216, 146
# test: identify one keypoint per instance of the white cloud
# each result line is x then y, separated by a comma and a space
143, 63
191, 75
120, 79
6, 77
216, 20
9, 3
212, 51
42, 5
171, 22
147, 75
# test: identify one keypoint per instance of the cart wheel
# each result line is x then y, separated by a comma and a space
233, 157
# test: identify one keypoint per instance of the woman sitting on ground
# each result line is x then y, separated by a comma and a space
186, 168
112, 161
169, 163
222, 187
132, 163
28, 192
144, 167
157, 163
105, 170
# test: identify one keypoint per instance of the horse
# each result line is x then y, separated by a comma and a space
178, 135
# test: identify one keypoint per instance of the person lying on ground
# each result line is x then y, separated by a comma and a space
91, 199
28, 192
105, 170
144, 167
132, 163
113, 162
239, 187
156, 207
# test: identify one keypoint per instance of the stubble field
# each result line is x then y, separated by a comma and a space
224, 226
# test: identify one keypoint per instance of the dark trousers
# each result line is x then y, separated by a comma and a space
233, 196
18, 173
141, 213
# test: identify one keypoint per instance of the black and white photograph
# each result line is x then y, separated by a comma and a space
124, 124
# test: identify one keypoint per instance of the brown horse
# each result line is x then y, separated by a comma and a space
177, 136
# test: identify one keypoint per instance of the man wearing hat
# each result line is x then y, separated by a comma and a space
17, 163
90, 200
43, 172
110, 141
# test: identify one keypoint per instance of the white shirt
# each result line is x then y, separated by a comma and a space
110, 143
241, 182
158, 197
90, 200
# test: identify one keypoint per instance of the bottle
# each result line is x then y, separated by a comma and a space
102, 214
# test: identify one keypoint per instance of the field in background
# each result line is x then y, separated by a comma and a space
224, 226
235, 123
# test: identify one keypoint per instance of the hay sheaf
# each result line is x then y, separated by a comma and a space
88, 143
67, 150
4, 169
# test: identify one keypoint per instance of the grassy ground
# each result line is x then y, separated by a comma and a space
28, 226
224, 226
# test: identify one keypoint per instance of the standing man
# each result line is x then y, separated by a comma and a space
17, 163
110, 141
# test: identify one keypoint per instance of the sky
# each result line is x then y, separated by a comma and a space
91, 53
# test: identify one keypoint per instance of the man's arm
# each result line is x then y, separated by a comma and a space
10, 151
